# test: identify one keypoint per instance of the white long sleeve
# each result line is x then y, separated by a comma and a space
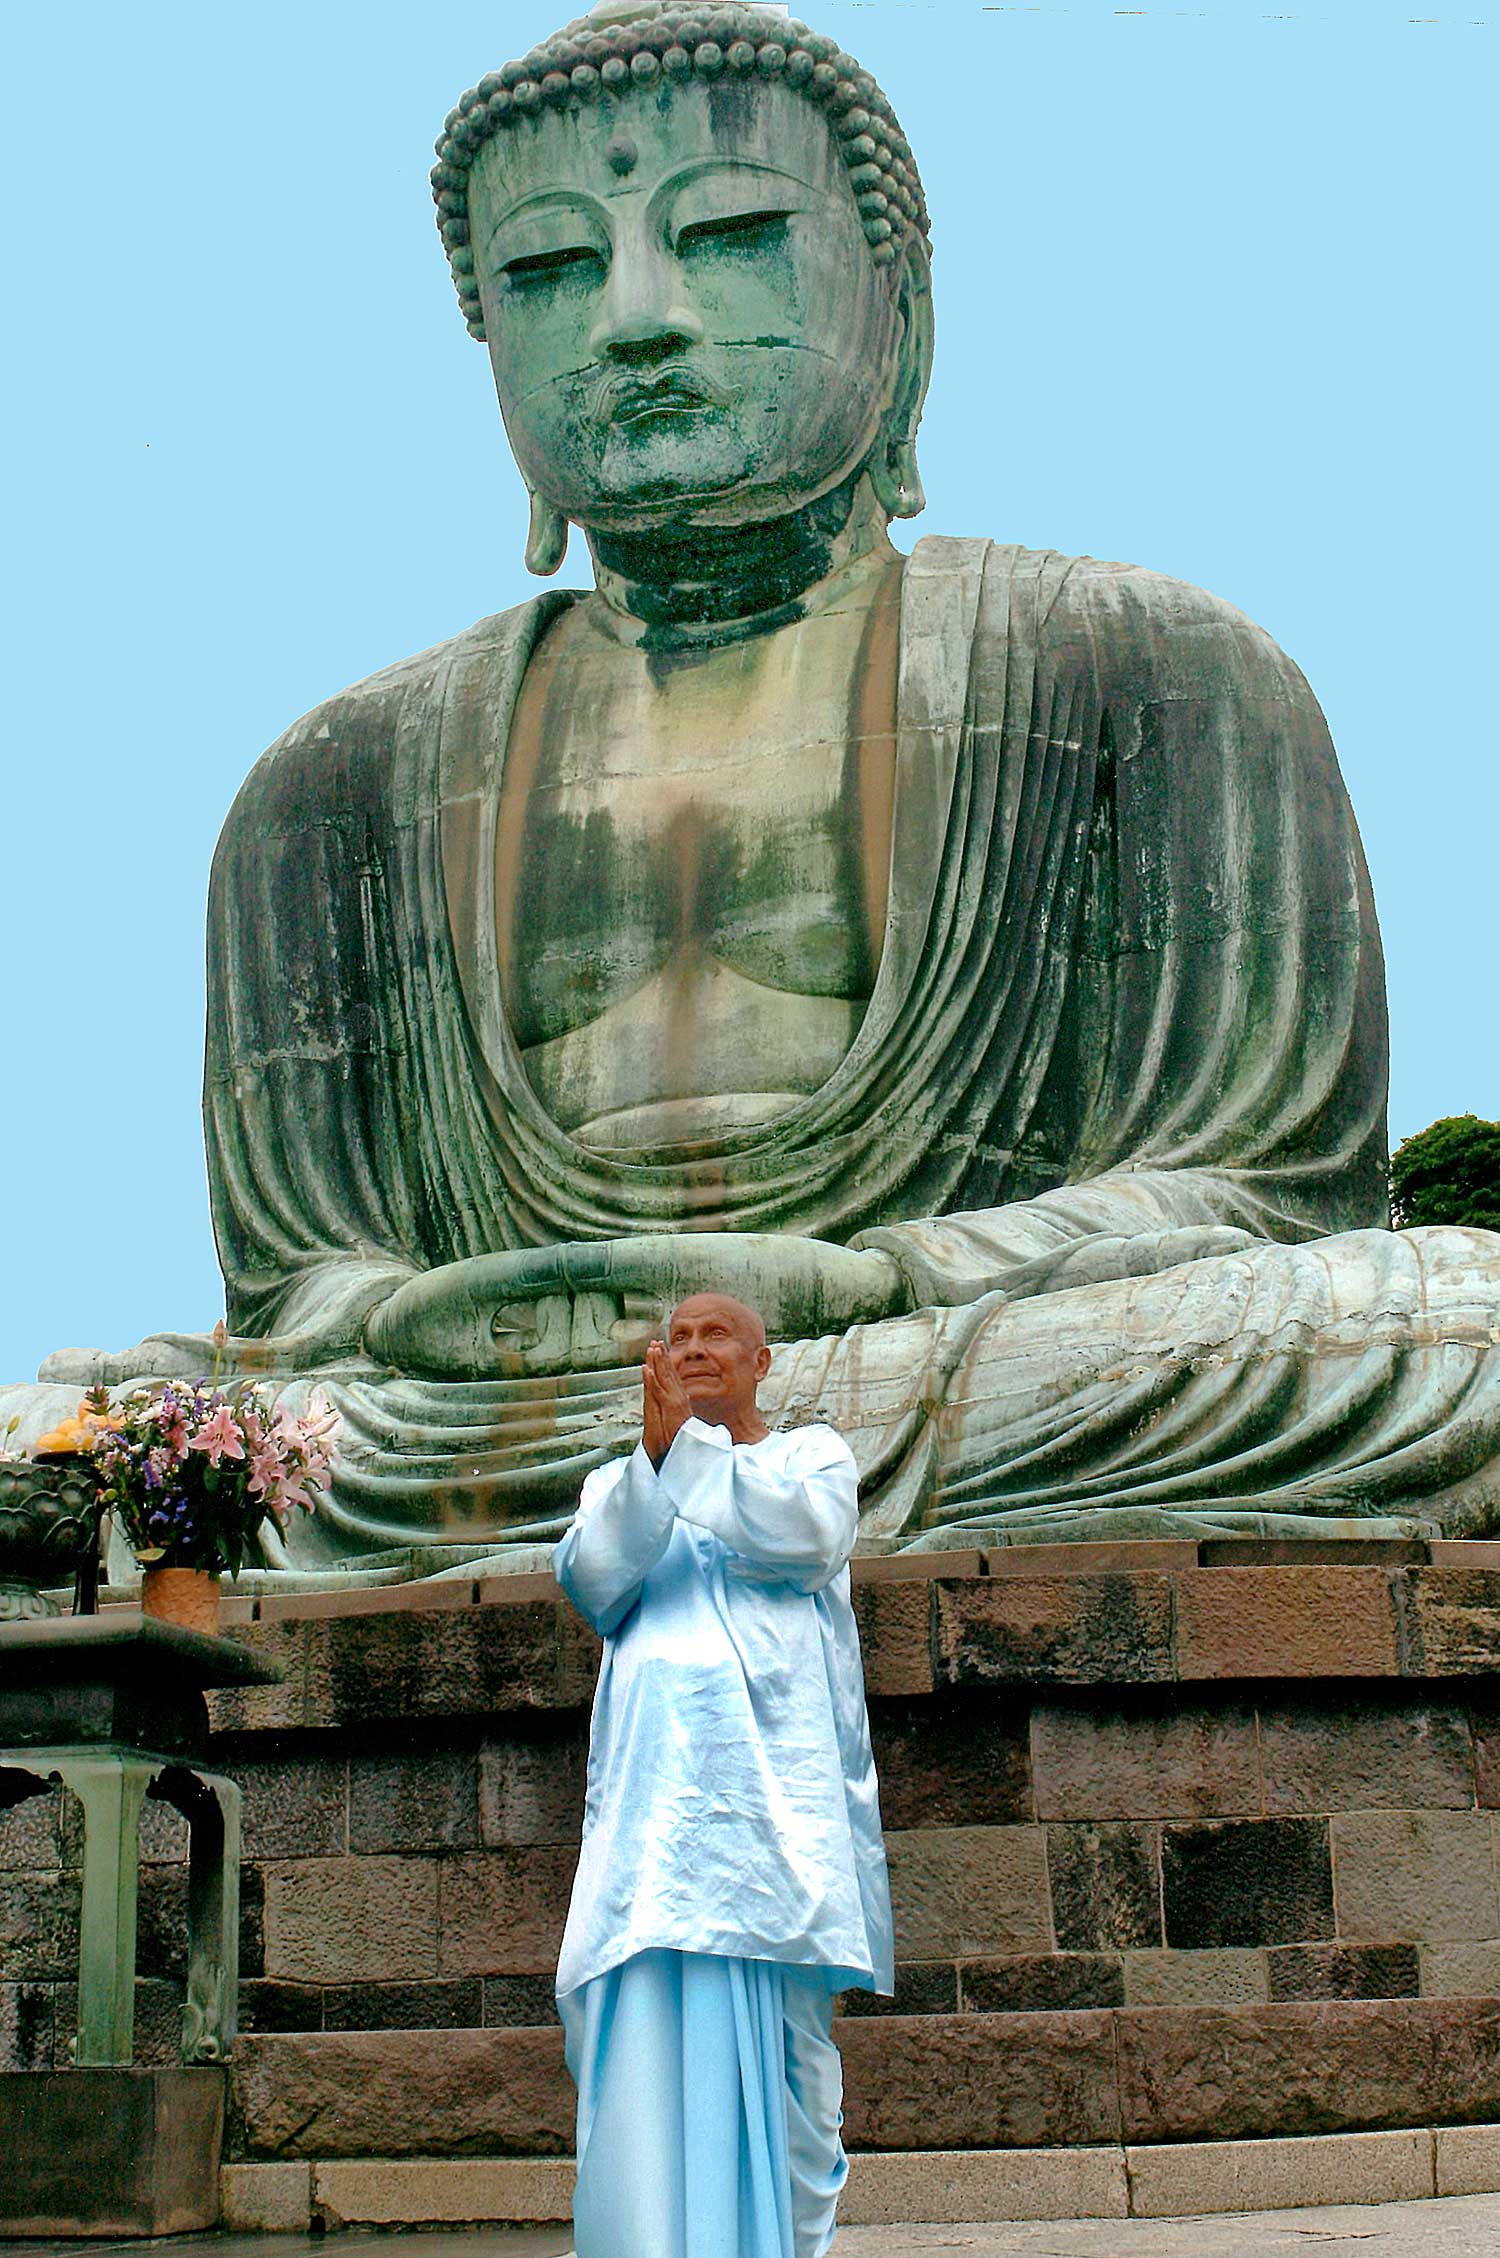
732, 1802
796, 1521
622, 1527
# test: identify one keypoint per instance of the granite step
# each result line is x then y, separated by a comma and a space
940, 2188
1077, 2079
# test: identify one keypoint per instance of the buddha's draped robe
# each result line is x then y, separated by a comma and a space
1130, 983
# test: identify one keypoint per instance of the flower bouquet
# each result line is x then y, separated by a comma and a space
191, 1472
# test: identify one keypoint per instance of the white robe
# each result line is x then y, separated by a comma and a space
732, 1805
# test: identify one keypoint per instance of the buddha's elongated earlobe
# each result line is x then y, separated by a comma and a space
546, 537
896, 478
893, 466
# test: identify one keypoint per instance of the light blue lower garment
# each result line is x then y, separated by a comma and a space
709, 2095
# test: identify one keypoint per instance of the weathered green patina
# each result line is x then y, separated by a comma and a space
968, 958
48, 1525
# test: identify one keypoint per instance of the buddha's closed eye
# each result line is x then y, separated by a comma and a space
551, 266
736, 230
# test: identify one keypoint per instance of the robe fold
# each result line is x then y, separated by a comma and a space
709, 2115
1130, 985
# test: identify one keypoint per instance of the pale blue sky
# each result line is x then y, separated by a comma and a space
1214, 292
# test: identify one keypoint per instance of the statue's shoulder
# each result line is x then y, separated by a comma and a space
1166, 636
343, 749
1069, 585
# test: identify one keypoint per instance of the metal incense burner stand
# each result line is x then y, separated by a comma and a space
111, 1707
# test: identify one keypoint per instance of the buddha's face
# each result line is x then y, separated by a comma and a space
685, 322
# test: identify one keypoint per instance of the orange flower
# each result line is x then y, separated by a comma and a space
75, 1434
70, 1435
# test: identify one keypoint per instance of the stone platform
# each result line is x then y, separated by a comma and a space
1189, 1844
104, 2153
952, 2188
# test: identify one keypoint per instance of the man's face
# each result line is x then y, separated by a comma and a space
718, 1351
685, 322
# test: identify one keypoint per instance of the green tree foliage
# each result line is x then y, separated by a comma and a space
1449, 1173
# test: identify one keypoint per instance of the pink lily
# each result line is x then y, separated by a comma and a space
266, 1462
219, 1437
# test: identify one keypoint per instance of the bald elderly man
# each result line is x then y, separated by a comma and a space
733, 1877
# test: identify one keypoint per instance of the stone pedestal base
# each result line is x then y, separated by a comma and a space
110, 2152
1193, 1848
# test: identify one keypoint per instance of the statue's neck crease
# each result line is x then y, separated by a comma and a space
718, 585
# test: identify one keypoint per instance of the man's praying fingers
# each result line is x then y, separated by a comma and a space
655, 1436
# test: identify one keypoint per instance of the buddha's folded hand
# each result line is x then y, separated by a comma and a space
594, 1306
1099, 1261
198, 1356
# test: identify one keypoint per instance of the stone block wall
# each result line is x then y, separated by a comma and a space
1125, 1797
1276, 1850
1168, 1850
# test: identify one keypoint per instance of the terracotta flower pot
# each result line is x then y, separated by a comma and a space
188, 1597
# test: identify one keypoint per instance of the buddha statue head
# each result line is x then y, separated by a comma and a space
695, 242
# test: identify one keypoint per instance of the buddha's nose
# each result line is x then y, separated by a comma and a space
643, 317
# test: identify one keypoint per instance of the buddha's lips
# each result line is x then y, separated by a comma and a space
634, 399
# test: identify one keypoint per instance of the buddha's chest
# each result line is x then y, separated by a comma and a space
692, 858
755, 863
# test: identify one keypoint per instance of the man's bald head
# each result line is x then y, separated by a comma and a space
746, 1320
717, 1347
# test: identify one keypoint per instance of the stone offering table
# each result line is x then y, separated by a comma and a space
111, 1708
